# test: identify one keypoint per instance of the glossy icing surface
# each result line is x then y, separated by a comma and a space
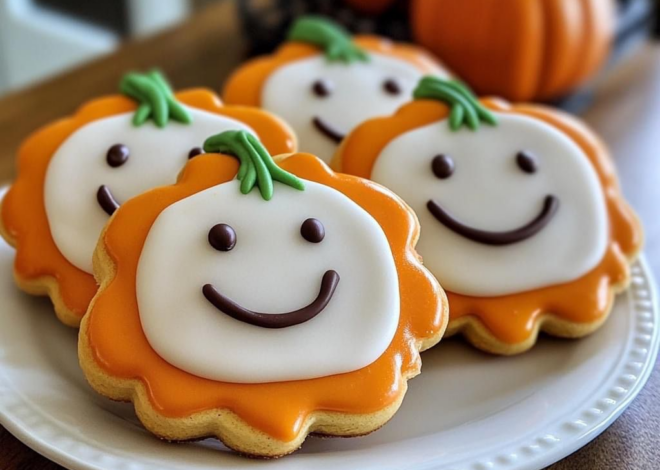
121, 348
79, 168
514, 317
271, 268
489, 191
355, 92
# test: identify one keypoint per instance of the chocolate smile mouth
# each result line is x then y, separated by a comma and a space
328, 130
275, 320
106, 200
550, 206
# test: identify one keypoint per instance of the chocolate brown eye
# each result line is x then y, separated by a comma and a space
312, 230
322, 88
392, 87
527, 162
222, 237
442, 166
117, 155
194, 152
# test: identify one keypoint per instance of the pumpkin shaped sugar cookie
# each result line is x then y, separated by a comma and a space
260, 316
324, 82
74, 173
523, 222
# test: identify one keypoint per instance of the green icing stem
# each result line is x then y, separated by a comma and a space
456, 117
484, 114
277, 173
265, 179
142, 114
459, 102
465, 108
150, 96
178, 112
336, 43
155, 99
257, 167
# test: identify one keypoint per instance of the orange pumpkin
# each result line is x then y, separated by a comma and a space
521, 50
119, 357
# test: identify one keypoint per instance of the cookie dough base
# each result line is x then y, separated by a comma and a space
43, 286
221, 423
473, 329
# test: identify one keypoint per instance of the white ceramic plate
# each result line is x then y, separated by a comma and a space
467, 410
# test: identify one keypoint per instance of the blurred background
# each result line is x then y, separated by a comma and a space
43, 38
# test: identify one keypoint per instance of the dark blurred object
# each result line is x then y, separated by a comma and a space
371, 7
267, 21
636, 19
110, 14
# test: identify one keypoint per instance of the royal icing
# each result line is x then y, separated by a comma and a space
114, 337
504, 209
267, 257
513, 195
87, 176
324, 100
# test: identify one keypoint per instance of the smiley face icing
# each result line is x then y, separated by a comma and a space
74, 174
336, 291
518, 194
522, 219
217, 238
324, 100
326, 90
282, 298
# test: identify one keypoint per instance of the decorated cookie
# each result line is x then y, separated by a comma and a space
74, 173
523, 222
258, 303
324, 82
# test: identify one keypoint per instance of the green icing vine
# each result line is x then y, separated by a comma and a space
466, 110
155, 99
336, 43
257, 167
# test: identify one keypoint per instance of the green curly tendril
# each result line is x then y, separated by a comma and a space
155, 97
336, 43
257, 167
465, 107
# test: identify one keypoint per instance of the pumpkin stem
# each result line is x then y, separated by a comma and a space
155, 99
466, 110
336, 43
257, 167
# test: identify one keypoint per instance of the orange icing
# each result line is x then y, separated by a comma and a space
23, 212
511, 318
244, 86
120, 347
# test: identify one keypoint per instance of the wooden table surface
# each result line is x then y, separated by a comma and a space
202, 52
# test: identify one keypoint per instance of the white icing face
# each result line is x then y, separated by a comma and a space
80, 167
271, 269
489, 190
340, 95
